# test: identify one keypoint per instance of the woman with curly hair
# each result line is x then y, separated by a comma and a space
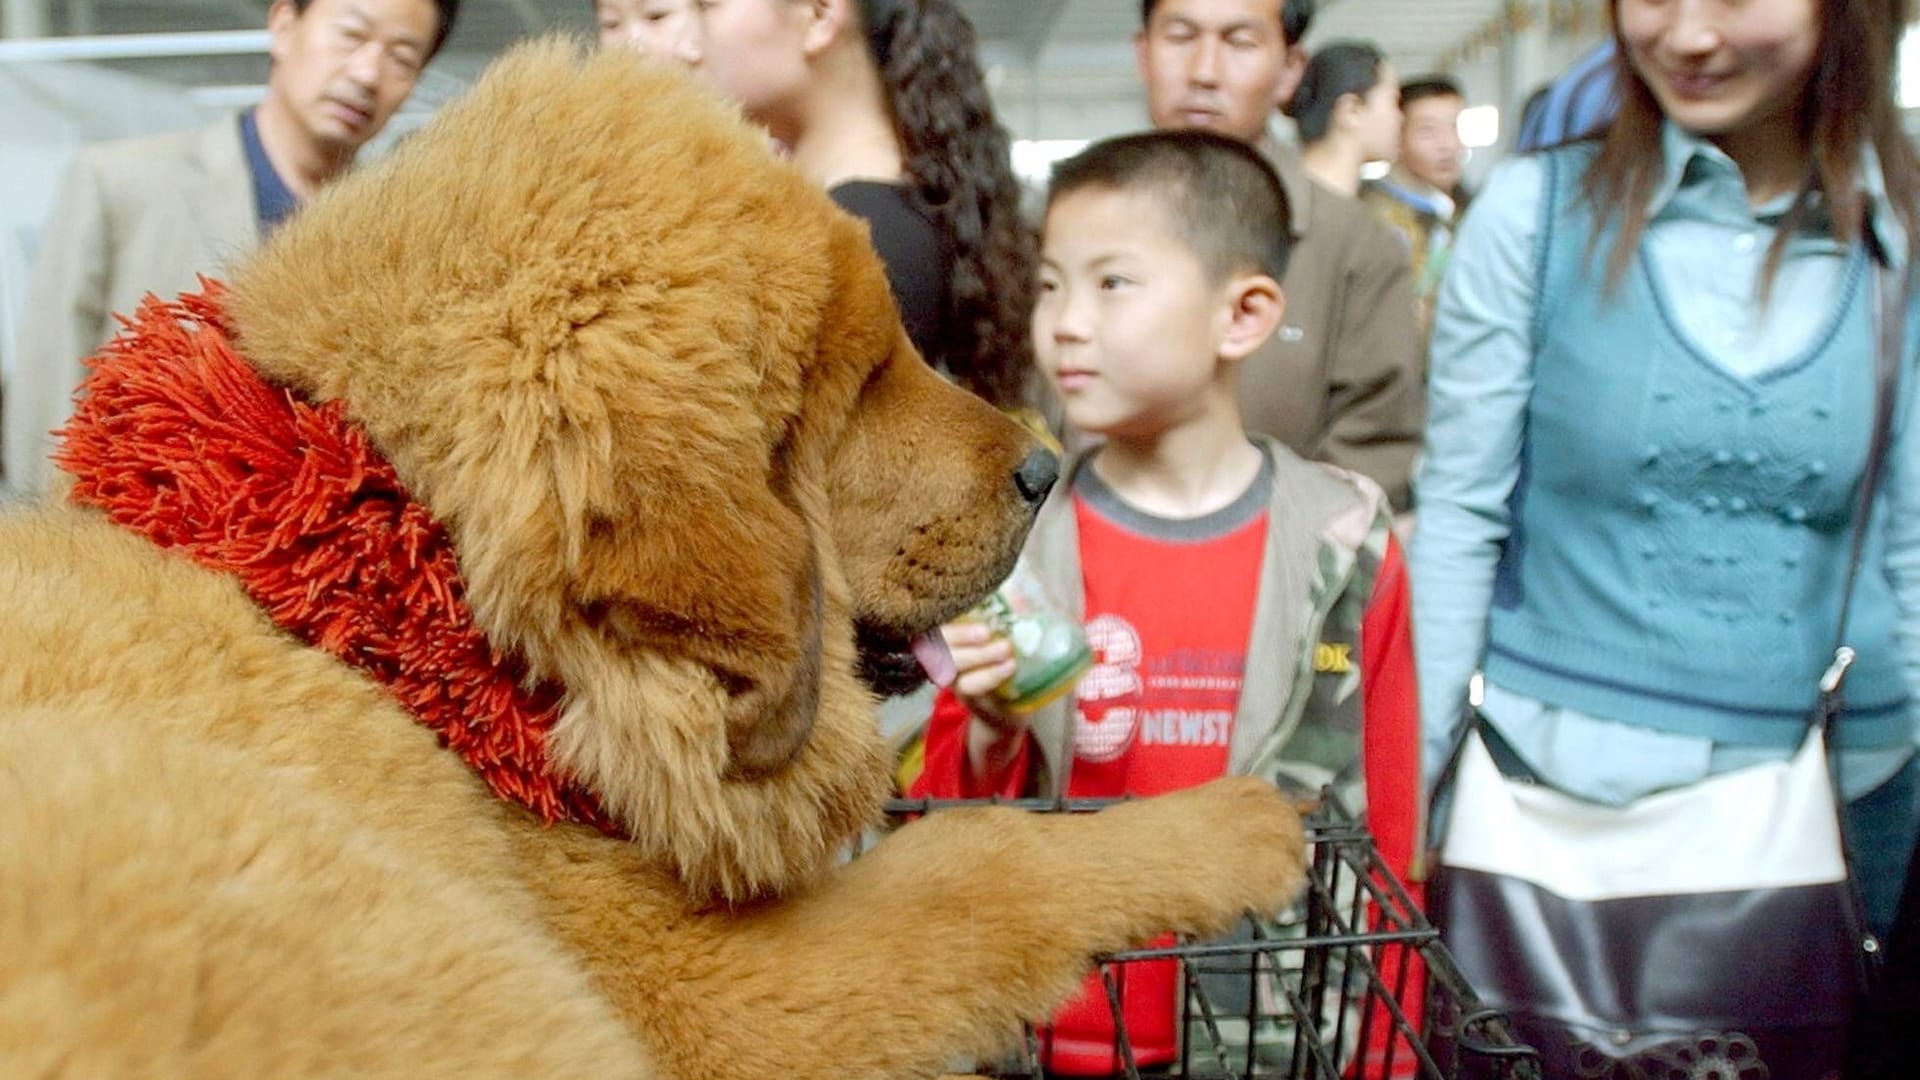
883, 103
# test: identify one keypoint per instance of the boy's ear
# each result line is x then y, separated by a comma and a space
1254, 307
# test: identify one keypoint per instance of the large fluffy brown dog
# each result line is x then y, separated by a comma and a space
652, 386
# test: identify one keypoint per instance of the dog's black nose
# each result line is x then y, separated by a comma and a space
1036, 475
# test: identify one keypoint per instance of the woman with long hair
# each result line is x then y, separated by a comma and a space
1652, 388
883, 102
1347, 110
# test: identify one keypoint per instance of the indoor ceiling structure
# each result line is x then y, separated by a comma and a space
1414, 29
1049, 49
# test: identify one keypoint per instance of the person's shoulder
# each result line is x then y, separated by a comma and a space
1508, 203
1322, 516
1333, 209
854, 196
1379, 197
145, 151
1384, 192
1356, 229
1331, 493
107, 177
1387, 204
1519, 176
134, 172
900, 229
879, 202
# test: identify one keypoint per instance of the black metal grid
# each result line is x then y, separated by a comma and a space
1323, 985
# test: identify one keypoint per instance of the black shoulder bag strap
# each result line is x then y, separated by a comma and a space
1890, 331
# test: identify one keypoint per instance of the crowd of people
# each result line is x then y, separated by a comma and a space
1614, 405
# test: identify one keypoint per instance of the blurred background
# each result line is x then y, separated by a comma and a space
1062, 70
74, 71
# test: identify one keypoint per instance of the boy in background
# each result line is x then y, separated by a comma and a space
1423, 197
1247, 610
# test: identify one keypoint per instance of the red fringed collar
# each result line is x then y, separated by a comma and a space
177, 438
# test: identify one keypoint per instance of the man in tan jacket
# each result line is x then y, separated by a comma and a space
1341, 379
152, 214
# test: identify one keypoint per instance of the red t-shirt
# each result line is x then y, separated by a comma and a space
1169, 609
1168, 621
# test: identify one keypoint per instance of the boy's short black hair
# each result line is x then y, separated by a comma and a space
1428, 86
1223, 198
1295, 17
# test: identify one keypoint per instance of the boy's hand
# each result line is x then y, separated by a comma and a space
982, 661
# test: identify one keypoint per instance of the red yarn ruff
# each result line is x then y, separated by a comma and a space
177, 438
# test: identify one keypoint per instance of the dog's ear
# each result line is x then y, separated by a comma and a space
659, 546
719, 565
768, 722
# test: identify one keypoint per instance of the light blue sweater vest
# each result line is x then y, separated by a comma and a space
1680, 534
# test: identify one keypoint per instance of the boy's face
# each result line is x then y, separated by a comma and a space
1430, 146
1129, 323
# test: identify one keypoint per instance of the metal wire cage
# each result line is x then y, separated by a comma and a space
1351, 983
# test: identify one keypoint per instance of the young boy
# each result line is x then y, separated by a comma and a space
1247, 609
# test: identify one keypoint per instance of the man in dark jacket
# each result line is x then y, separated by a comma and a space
1340, 381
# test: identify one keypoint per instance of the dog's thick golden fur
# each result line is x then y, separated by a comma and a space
652, 384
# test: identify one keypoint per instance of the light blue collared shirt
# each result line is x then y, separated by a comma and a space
1708, 247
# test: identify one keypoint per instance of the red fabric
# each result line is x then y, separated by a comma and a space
1391, 707
947, 774
175, 437
1169, 623
1391, 751
1082, 1040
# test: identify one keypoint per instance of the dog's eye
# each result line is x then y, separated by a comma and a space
874, 375
634, 624
610, 617
593, 612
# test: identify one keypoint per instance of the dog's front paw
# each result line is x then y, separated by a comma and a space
1235, 845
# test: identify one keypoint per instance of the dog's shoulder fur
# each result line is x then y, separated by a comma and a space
171, 859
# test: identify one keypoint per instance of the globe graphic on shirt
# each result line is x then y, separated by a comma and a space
1105, 723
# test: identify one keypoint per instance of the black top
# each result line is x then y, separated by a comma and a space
914, 251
